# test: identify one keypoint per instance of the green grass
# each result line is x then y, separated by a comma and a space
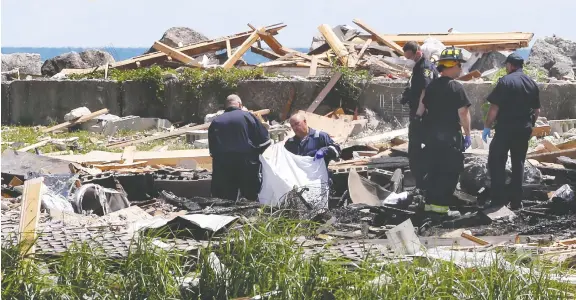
31, 135
256, 259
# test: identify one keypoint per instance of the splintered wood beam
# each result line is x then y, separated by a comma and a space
82, 119
306, 56
228, 48
251, 26
362, 51
171, 52
334, 43
192, 50
30, 214
242, 49
324, 92
380, 38
268, 54
273, 43
313, 66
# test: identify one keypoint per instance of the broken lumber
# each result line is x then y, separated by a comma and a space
338, 129
549, 146
268, 54
541, 131
380, 38
335, 43
474, 239
34, 146
228, 49
362, 51
272, 42
30, 214
82, 119
166, 158
193, 50
552, 157
333, 80
313, 67
470, 76
242, 49
171, 52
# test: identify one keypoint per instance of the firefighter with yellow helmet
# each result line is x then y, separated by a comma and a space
447, 107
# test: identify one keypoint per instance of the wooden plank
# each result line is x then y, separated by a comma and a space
77, 121
339, 130
324, 92
474, 239
128, 155
268, 54
313, 67
122, 165
551, 157
30, 214
567, 145
335, 43
470, 76
152, 158
276, 63
380, 38
461, 38
251, 27
15, 181
549, 146
194, 49
228, 49
34, 146
541, 131
171, 52
242, 49
362, 51
273, 43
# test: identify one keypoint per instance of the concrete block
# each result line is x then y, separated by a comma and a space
134, 123
194, 135
201, 144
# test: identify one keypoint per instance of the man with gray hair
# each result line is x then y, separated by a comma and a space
310, 142
236, 138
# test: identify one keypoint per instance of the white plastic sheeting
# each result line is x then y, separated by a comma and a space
282, 171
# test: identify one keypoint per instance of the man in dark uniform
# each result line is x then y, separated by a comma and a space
310, 142
236, 139
447, 106
515, 105
422, 74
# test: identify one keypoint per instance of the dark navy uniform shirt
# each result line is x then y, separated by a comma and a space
237, 132
422, 74
516, 95
315, 141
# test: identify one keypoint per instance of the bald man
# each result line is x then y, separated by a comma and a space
310, 142
236, 138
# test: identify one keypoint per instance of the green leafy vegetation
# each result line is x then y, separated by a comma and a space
86, 140
351, 85
535, 73
262, 257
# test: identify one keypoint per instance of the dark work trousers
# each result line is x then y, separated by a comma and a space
416, 153
515, 141
231, 173
445, 162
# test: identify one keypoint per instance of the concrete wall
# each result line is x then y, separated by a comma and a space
43, 102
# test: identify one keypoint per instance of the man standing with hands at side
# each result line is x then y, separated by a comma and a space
515, 106
422, 74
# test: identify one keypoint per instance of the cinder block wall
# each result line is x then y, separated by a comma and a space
47, 101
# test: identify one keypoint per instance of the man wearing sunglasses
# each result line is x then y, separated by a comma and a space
447, 113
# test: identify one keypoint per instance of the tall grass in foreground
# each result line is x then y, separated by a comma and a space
258, 259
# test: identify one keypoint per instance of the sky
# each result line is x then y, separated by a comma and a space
130, 23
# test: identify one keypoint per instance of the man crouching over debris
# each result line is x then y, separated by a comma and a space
310, 142
236, 138
447, 105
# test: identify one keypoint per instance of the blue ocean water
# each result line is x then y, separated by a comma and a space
117, 53
125, 53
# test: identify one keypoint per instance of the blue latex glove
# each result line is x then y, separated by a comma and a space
320, 154
486, 134
467, 142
